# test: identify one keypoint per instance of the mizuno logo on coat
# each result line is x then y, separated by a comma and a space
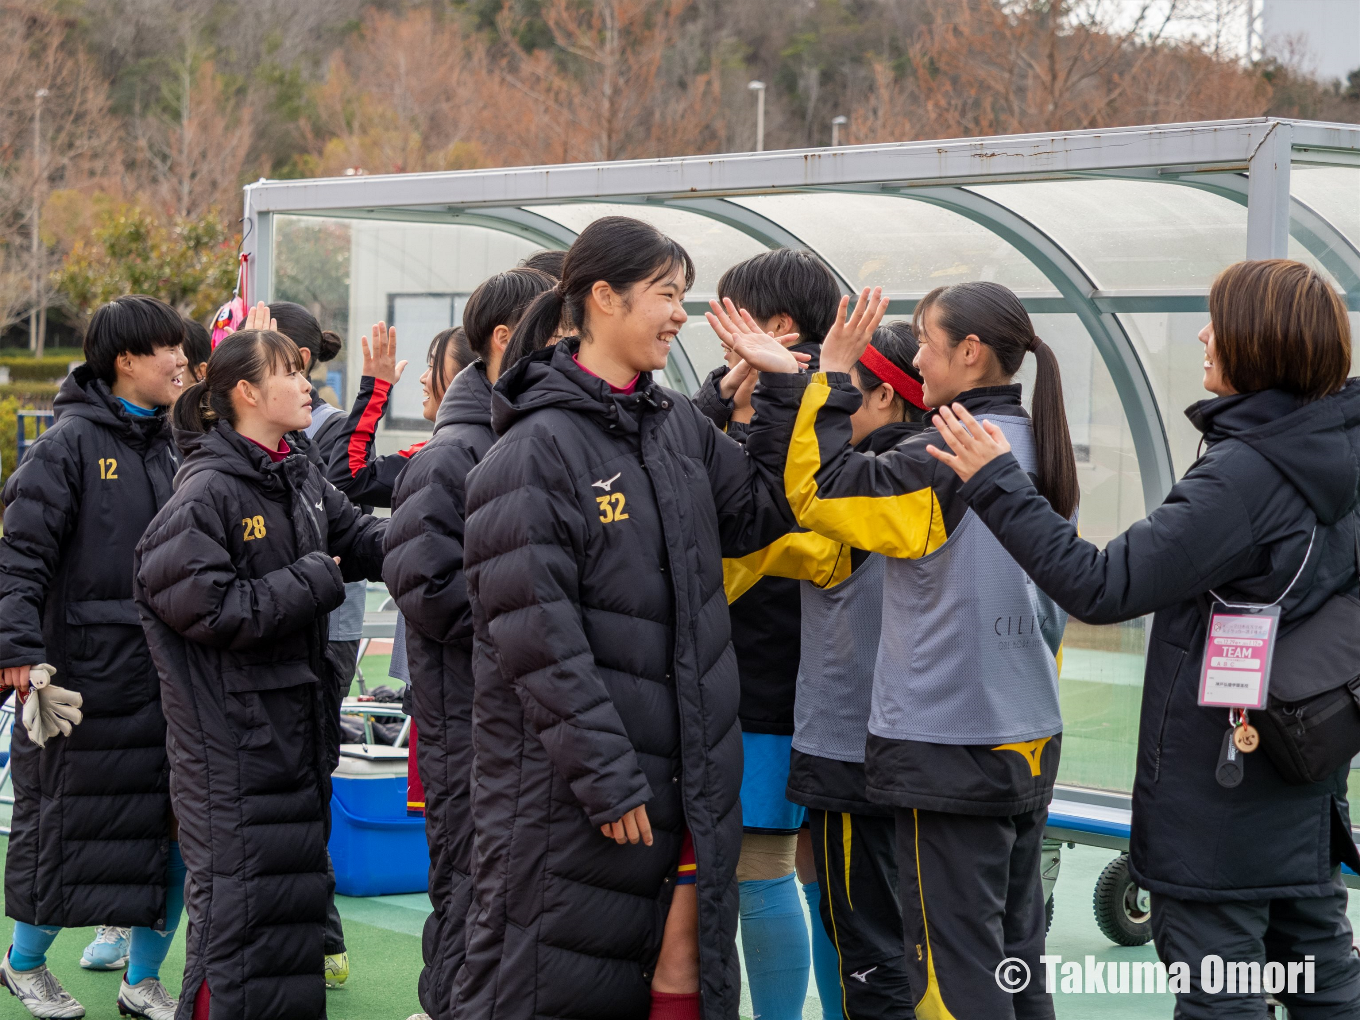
605, 483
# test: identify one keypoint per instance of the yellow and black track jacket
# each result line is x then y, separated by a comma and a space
965, 700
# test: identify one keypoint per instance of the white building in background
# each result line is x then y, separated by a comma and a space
1328, 30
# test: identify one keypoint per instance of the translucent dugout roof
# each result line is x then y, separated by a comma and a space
1121, 231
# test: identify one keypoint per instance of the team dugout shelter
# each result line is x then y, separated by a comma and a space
1111, 238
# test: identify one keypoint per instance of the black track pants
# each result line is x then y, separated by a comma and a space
857, 871
972, 897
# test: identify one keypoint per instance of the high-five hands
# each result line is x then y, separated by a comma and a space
630, 828
740, 334
974, 444
846, 340
258, 318
380, 360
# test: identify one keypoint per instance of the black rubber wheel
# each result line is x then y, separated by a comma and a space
1121, 908
1048, 915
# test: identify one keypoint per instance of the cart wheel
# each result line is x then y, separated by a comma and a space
1048, 915
1122, 911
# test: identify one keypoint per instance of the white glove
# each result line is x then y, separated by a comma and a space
49, 710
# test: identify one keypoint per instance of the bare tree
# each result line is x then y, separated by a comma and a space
56, 130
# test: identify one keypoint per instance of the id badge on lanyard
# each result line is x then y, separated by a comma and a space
1238, 653
1239, 648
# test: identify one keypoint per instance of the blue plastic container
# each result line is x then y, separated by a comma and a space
376, 848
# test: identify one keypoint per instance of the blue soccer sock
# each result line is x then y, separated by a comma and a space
147, 947
774, 942
826, 963
31, 944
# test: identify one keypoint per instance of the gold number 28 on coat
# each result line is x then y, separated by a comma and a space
254, 527
611, 507
108, 468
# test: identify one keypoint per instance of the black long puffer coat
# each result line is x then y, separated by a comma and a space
423, 569
1240, 523
605, 679
89, 840
235, 577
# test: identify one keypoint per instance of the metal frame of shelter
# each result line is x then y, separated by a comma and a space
1245, 161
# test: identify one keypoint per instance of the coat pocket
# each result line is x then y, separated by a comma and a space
248, 720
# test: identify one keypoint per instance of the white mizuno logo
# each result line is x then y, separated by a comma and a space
606, 483
863, 976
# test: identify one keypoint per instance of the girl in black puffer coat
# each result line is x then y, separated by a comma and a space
234, 579
605, 709
92, 839
424, 572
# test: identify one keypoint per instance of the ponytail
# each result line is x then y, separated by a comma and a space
1052, 440
193, 410
535, 328
994, 315
248, 354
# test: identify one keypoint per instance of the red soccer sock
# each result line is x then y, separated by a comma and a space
667, 1006
201, 1002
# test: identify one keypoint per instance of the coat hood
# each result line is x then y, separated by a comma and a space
1314, 444
82, 395
551, 378
467, 400
883, 439
225, 450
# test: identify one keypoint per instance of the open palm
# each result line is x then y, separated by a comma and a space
850, 334
741, 334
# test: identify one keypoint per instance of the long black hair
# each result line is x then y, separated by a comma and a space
301, 327
249, 354
994, 315
896, 341
619, 250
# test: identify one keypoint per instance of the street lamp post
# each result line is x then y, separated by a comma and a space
836, 124
35, 327
758, 87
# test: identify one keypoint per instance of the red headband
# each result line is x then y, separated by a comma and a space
909, 388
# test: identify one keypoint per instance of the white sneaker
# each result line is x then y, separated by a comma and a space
147, 998
39, 991
109, 950
419, 1016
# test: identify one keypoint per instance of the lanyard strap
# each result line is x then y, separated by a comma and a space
1299, 573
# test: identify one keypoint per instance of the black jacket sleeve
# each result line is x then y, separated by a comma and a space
525, 539
42, 500
708, 399
351, 466
1201, 537
357, 538
752, 510
424, 563
192, 585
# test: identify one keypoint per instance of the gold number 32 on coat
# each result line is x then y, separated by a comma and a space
108, 468
254, 527
611, 507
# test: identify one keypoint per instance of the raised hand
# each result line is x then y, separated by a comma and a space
380, 359
846, 340
975, 444
258, 318
740, 334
